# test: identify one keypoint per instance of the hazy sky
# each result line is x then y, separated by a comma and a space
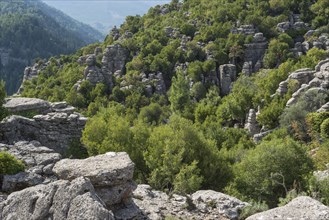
103, 15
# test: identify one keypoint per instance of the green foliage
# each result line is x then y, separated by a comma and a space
253, 208
76, 150
268, 171
31, 29
277, 53
325, 128
179, 94
320, 187
9, 164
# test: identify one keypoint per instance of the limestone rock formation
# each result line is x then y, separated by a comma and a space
299, 208
114, 59
58, 200
308, 81
251, 123
227, 76
92, 73
111, 174
21, 105
324, 108
103, 170
54, 130
254, 53
36, 157
204, 204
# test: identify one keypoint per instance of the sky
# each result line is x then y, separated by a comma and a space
103, 14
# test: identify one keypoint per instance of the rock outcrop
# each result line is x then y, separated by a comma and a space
251, 123
58, 200
22, 105
39, 161
254, 54
227, 76
308, 81
302, 207
54, 125
204, 204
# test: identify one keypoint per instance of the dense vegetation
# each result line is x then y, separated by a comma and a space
188, 138
31, 29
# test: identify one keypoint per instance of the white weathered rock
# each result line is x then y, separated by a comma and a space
300, 208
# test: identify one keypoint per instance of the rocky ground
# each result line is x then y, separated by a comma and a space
99, 187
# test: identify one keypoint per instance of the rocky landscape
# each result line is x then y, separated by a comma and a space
100, 187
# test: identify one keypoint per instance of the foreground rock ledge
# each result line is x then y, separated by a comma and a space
109, 169
300, 208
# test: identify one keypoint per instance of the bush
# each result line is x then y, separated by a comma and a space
325, 128
271, 169
9, 164
76, 150
253, 208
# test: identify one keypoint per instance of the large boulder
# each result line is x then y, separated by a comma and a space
302, 207
103, 170
58, 200
111, 174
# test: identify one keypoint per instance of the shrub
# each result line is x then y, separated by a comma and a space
76, 150
271, 169
253, 208
9, 164
325, 128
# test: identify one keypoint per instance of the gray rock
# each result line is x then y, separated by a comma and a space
86, 207
283, 26
116, 194
254, 52
16, 105
303, 76
109, 169
227, 76
223, 204
20, 181
324, 108
283, 88
251, 123
54, 130
299, 208
205, 204
114, 59
32, 153
59, 200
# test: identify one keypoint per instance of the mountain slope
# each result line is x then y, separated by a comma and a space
178, 90
31, 29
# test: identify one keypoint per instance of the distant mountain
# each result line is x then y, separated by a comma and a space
103, 15
32, 29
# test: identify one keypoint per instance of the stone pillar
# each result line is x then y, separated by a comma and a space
251, 124
227, 76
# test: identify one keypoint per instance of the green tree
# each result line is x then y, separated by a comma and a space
271, 169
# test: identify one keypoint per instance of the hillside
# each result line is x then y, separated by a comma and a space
207, 94
31, 29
